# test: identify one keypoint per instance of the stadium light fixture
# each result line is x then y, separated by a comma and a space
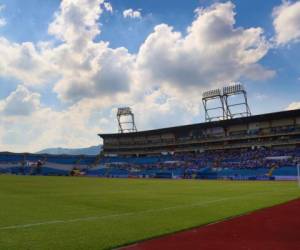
126, 126
210, 106
235, 89
223, 104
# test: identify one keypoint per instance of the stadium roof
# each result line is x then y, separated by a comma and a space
235, 121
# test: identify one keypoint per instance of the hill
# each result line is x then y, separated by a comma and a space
93, 150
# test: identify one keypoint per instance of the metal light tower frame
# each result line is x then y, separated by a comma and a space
235, 90
208, 97
125, 112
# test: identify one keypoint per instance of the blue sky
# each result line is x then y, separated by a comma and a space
59, 67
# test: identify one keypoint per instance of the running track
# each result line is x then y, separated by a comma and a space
275, 228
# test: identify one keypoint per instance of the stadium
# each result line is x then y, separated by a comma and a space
209, 185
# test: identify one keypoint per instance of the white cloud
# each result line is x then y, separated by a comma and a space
161, 82
213, 52
108, 7
130, 13
160, 109
293, 105
88, 69
27, 125
2, 19
76, 22
2, 22
287, 22
24, 62
20, 102
106, 73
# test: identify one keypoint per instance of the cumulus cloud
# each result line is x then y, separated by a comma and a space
130, 13
2, 22
108, 73
2, 19
287, 22
20, 102
76, 22
108, 7
94, 79
27, 125
293, 105
160, 109
214, 51
24, 62
88, 69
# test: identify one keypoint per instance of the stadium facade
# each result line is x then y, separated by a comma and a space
272, 130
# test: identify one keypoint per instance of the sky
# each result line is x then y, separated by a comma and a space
66, 66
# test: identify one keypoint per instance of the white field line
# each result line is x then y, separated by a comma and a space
110, 216
92, 218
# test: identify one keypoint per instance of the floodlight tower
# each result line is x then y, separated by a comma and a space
209, 97
231, 91
126, 126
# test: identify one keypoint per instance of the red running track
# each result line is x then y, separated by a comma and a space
275, 228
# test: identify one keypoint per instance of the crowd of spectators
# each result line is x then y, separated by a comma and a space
241, 159
183, 163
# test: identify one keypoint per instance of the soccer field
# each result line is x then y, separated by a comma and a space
91, 213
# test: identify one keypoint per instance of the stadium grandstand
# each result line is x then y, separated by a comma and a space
231, 144
260, 146
45, 164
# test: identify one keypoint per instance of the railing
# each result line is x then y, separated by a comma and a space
200, 141
210, 147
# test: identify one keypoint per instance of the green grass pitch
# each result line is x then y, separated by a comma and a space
93, 213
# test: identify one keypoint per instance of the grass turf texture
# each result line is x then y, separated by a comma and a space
91, 213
